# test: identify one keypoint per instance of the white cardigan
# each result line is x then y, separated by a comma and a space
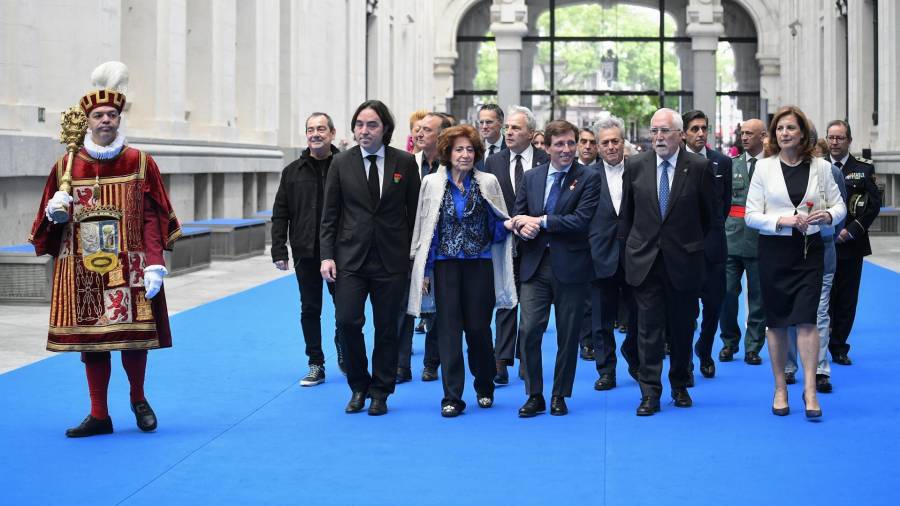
768, 197
430, 196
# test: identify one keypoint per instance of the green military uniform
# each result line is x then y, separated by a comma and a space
742, 258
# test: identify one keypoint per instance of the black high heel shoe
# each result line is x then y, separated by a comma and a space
811, 413
785, 411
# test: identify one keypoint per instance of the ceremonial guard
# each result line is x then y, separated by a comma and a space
106, 218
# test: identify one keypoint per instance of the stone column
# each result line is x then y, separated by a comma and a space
508, 25
704, 27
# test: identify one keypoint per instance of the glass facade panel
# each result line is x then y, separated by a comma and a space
631, 66
596, 20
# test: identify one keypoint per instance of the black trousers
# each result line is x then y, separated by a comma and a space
661, 307
309, 279
712, 295
464, 301
506, 347
605, 296
404, 350
842, 307
538, 294
386, 293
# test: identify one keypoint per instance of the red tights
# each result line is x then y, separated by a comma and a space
98, 368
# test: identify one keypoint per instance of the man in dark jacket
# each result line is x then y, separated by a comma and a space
297, 212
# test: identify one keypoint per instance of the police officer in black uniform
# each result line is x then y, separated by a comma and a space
852, 242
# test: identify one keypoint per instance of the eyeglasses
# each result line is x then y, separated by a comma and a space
664, 131
486, 122
836, 138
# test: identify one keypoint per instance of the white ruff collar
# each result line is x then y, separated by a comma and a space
104, 152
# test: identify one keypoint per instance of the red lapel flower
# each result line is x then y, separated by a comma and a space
397, 177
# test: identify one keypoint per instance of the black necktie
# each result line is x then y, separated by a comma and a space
752, 166
374, 189
520, 172
839, 165
491, 149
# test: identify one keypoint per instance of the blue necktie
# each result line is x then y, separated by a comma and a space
550, 205
663, 188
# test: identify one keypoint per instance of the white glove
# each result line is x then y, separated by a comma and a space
153, 279
60, 200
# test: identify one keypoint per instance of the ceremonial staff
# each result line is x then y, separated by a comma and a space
74, 127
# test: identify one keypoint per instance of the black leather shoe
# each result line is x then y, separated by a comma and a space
404, 374
690, 380
708, 368
502, 377
558, 406
682, 398
752, 358
357, 402
587, 353
790, 378
91, 426
429, 374
144, 415
420, 327
841, 358
648, 406
727, 354
533, 406
668, 349
378, 407
607, 381
823, 384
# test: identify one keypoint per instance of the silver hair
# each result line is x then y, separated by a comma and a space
529, 116
610, 122
677, 122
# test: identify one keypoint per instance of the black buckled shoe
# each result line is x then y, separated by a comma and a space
587, 353
790, 378
144, 415
404, 374
429, 374
841, 359
378, 407
91, 426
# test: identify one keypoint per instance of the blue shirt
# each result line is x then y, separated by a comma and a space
495, 225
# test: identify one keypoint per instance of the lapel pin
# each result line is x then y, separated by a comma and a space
572, 186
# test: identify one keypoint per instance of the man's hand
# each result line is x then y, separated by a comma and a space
281, 265
426, 284
527, 227
328, 270
844, 236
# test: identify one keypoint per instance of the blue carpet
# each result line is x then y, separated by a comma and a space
235, 428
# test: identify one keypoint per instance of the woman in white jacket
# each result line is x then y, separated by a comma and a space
461, 241
791, 194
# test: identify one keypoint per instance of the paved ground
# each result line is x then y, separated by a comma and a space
23, 328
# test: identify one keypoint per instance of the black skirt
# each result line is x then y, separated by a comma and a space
791, 284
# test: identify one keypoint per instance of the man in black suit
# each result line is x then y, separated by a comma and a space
607, 246
668, 209
553, 208
510, 166
490, 120
370, 206
852, 242
715, 248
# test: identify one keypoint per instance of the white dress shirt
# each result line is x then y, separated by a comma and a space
379, 162
614, 174
498, 144
527, 157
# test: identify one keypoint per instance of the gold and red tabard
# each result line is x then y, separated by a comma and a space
98, 301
